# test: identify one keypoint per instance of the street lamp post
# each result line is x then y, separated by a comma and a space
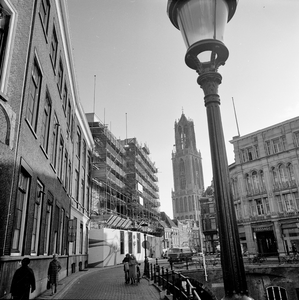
202, 23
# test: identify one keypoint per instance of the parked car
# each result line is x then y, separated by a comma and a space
180, 254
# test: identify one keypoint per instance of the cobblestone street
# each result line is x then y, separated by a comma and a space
103, 284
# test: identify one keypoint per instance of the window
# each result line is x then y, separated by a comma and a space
275, 177
268, 148
69, 115
4, 29
65, 170
75, 235
54, 142
60, 158
138, 243
49, 210
262, 179
34, 92
296, 138
122, 242
60, 76
54, 47
86, 239
77, 185
249, 153
20, 212
130, 242
37, 218
78, 148
61, 233
69, 186
287, 202
81, 239
282, 175
5, 126
45, 128
182, 175
84, 154
290, 173
255, 181
259, 207
44, 13
267, 205
276, 293
55, 246
276, 145
248, 183
82, 191
64, 98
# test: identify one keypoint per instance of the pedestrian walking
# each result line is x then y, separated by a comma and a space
22, 281
53, 270
126, 261
132, 268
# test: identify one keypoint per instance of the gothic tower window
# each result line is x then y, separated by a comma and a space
182, 175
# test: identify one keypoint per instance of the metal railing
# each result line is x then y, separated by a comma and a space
174, 283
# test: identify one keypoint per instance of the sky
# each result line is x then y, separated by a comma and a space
131, 71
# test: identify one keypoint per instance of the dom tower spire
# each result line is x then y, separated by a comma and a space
187, 172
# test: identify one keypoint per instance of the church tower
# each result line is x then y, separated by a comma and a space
187, 172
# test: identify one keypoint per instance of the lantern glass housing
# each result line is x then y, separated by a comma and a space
200, 20
202, 24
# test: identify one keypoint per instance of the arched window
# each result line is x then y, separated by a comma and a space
282, 174
189, 204
255, 181
262, 182
182, 175
177, 205
185, 204
290, 173
5, 126
248, 183
276, 293
186, 137
181, 205
275, 177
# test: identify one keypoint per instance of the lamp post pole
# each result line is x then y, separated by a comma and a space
202, 26
231, 257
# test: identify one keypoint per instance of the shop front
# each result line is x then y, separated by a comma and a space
265, 240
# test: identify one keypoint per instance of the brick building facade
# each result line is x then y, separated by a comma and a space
45, 144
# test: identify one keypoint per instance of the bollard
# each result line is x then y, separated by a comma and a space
159, 277
174, 293
163, 286
167, 283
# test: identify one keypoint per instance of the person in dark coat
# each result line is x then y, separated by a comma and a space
132, 269
126, 267
22, 281
53, 270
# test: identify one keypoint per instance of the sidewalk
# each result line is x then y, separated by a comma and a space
102, 283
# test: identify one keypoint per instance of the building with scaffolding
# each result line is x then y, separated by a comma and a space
125, 200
